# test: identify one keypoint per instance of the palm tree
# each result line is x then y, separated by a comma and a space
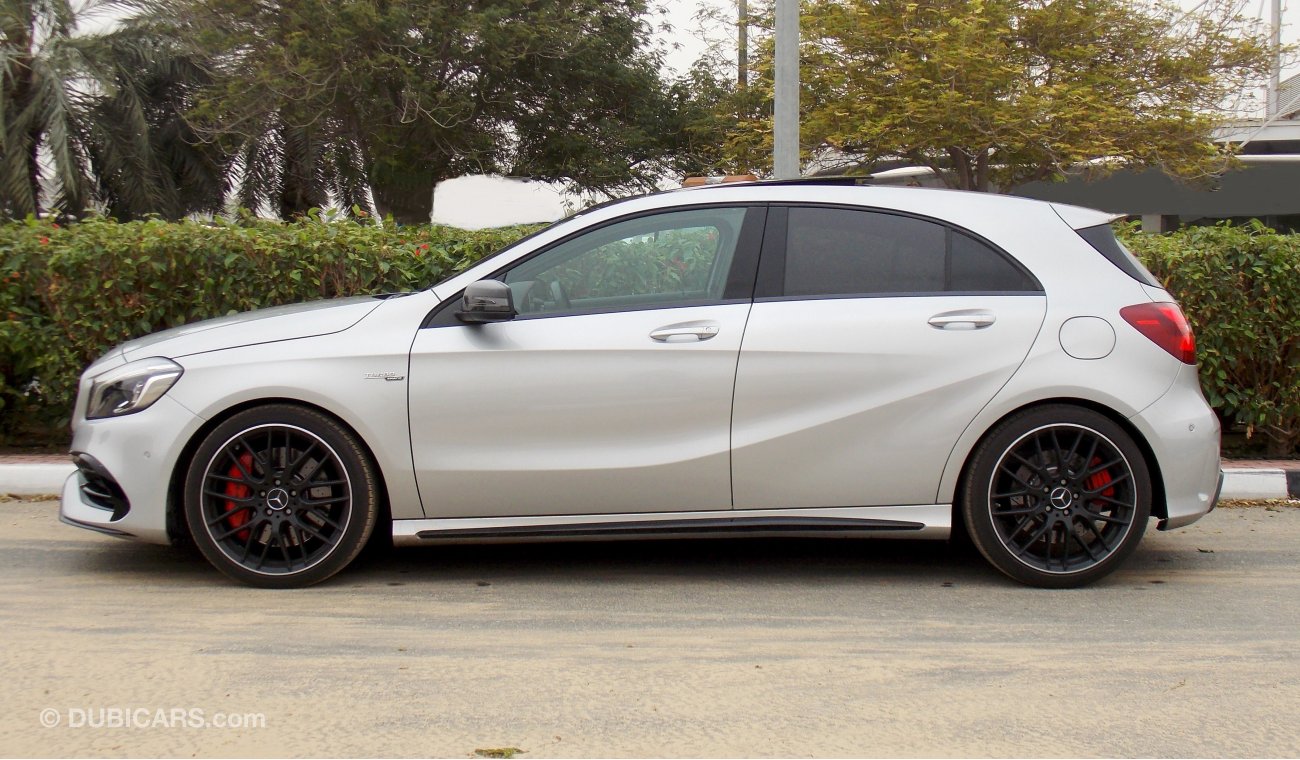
145, 157
95, 119
38, 58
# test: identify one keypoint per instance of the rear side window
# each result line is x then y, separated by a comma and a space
848, 252
1103, 239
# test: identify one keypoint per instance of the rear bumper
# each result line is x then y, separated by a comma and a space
1183, 433
1170, 523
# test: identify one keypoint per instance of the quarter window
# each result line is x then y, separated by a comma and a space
847, 252
665, 259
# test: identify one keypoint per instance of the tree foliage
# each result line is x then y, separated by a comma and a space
334, 98
995, 93
93, 119
38, 108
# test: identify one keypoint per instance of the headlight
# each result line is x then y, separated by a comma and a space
131, 387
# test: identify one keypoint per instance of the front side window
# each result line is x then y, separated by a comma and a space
831, 251
664, 259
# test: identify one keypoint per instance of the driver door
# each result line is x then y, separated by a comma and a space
611, 390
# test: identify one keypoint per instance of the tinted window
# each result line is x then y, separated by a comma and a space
845, 252
1102, 238
675, 257
974, 266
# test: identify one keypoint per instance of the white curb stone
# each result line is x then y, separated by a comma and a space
1254, 484
32, 479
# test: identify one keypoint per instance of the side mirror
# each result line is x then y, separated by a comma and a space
487, 301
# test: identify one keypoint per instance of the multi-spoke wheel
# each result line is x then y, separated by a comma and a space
1057, 496
280, 496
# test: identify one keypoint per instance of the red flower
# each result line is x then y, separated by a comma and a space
45, 240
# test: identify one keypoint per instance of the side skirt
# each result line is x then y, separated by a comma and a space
932, 521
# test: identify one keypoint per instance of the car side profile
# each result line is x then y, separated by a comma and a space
765, 357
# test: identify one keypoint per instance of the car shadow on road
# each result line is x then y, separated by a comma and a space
759, 560
736, 560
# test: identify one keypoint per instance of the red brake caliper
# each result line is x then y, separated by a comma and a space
1099, 480
239, 491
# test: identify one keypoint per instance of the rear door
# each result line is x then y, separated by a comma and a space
875, 338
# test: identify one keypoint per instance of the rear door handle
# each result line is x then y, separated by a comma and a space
687, 331
963, 319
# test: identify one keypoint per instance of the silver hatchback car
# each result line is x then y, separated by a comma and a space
774, 358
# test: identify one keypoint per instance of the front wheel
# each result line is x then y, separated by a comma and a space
1057, 496
280, 497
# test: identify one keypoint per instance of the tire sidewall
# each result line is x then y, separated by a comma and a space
353, 459
977, 513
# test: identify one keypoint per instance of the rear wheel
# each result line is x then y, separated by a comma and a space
280, 497
1057, 496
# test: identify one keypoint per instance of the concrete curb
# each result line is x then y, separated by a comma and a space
30, 479
1262, 483
33, 478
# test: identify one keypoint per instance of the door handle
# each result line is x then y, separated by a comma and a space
964, 319
684, 332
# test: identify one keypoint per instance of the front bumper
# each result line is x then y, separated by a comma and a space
137, 455
76, 509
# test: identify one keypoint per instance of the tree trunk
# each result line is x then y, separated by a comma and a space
300, 191
407, 199
961, 168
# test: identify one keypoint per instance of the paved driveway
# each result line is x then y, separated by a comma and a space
745, 648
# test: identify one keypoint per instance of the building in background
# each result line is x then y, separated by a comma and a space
1266, 187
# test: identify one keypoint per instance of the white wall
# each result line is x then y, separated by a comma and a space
476, 202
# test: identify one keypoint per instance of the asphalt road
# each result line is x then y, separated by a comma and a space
742, 648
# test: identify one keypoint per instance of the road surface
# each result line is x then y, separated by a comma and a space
739, 648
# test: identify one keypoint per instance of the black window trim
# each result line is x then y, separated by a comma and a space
1103, 240
770, 283
739, 287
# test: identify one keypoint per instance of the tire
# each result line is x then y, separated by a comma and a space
280, 496
1057, 496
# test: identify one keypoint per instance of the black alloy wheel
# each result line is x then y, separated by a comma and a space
1057, 496
280, 497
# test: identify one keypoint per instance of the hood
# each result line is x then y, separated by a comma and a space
251, 327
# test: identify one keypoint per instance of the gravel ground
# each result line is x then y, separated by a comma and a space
741, 648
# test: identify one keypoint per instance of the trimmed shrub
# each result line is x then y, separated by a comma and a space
68, 294
1240, 289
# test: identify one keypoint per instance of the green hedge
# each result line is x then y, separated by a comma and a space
1240, 289
67, 294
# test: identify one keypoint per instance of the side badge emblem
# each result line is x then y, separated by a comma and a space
390, 376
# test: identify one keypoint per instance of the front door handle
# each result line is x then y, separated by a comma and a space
687, 331
963, 319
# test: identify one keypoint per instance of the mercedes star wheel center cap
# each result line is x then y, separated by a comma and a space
1061, 498
278, 498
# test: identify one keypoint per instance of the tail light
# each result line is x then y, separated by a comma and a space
1166, 326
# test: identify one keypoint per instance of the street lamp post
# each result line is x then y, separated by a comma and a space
785, 131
